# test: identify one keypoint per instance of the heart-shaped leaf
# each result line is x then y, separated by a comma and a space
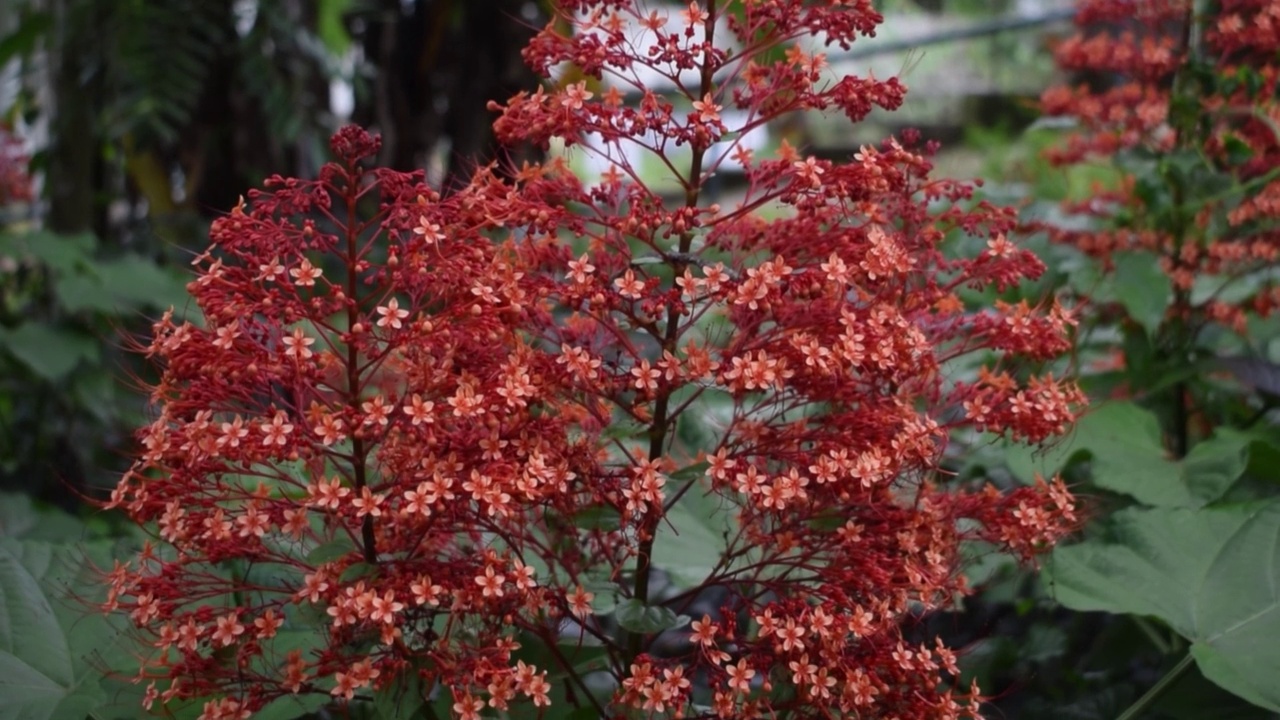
1123, 443
1212, 574
692, 537
52, 647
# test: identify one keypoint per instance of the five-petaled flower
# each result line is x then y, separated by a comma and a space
306, 274
392, 314
490, 583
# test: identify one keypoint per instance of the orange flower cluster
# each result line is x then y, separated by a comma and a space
418, 437
1198, 95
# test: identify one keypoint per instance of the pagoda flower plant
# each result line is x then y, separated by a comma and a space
1188, 124
544, 448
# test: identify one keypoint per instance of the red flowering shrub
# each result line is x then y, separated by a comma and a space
454, 435
1190, 117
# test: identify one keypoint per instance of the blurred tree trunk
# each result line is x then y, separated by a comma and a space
228, 147
438, 66
74, 165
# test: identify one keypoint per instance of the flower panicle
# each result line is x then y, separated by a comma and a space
440, 429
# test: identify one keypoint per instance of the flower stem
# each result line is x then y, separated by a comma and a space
1144, 702
661, 421
358, 450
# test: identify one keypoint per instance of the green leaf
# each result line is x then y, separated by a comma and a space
624, 430
583, 653
33, 652
1142, 288
25, 691
291, 707
20, 518
329, 25
52, 646
61, 253
1213, 466
17, 515
1195, 698
330, 551
48, 351
1123, 441
25, 37
691, 472
637, 617
138, 282
308, 638
355, 571
1086, 276
1211, 574
84, 293
125, 283
597, 517
1238, 151
400, 699
606, 591
1042, 644
691, 540
1264, 459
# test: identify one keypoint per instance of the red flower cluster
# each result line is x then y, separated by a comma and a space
15, 183
452, 428
1182, 86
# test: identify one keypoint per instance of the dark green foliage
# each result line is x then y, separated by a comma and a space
159, 58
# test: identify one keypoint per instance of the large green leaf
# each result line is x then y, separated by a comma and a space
1123, 443
52, 647
1142, 287
21, 519
54, 643
35, 662
49, 352
1212, 574
61, 253
139, 282
1193, 697
29, 631
1213, 466
692, 537
124, 283
17, 515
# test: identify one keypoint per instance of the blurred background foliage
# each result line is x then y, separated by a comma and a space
138, 121
144, 119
